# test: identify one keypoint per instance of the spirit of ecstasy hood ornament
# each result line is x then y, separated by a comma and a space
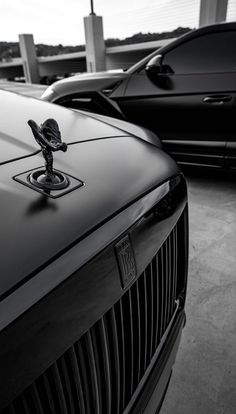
48, 136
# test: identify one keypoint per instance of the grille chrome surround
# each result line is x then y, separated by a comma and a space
102, 371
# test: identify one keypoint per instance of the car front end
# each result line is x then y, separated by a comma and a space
94, 276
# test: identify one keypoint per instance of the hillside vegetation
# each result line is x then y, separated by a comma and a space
9, 50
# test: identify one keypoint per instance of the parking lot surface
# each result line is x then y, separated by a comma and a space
204, 376
23, 88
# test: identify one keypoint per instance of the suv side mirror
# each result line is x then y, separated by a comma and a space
154, 68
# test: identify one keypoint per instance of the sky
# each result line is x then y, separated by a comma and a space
61, 21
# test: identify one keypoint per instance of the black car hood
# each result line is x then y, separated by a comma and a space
16, 138
35, 229
116, 168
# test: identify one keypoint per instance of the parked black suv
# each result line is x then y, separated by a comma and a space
184, 92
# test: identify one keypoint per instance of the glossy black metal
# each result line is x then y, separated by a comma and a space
66, 184
47, 181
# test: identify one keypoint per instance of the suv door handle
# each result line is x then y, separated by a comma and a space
217, 99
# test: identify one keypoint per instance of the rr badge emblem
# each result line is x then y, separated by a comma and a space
126, 261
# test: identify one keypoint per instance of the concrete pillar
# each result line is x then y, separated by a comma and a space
212, 11
95, 46
28, 54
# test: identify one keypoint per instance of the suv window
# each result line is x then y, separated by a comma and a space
210, 53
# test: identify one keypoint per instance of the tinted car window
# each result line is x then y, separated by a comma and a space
211, 53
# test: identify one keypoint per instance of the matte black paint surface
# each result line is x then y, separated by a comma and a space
115, 172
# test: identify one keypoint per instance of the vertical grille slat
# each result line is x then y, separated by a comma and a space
121, 339
25, 405
122, 353
166, 284
115, 347
141, 298
59, 389
98, 352
76, 379
169, 279
161, 294
10, 410
94, 372
175, 258
171, 269
36, 402
150, 317
156, 290
101, 371
153, 298
131, 341
137, 334
127, 358
84, 375
48, 394
17, 406
106, 362
145, 321
66, 385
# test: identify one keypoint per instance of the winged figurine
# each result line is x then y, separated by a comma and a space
48, 136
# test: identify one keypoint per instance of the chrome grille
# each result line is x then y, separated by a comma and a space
101, 371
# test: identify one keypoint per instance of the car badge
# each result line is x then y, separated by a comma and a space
126, 261
48, 136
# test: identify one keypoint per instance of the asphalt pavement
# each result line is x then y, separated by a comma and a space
27, 89
204, 375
